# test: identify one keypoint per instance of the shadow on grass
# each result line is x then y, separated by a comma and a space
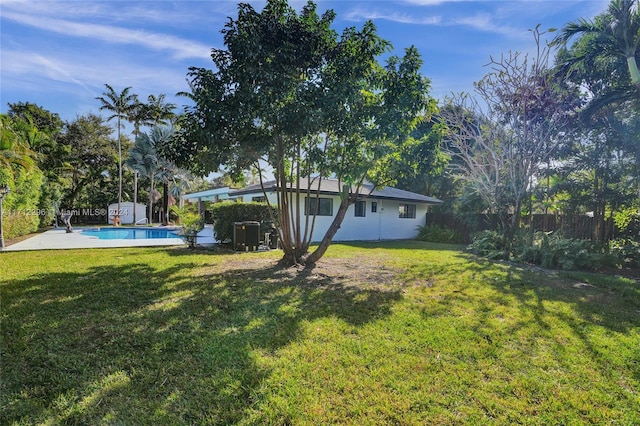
135, 344
400, 245
553, 301
609, 301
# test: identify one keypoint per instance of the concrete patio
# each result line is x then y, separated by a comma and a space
57, 239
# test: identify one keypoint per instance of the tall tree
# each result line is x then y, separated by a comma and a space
15, 149
614, 34
160, 112
292, 93
603, 61
19, 171
145, 158
43, 120
599, 150
505, 135
120, 105
90, 152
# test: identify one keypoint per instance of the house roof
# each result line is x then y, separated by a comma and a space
209, 195
332, 187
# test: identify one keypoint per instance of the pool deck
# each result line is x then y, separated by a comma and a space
58, 239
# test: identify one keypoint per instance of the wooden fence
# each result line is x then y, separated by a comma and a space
577, 226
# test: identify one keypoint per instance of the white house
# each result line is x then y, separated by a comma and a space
381, 214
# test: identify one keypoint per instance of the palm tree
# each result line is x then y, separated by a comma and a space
608, 41
160, 112
144, 158
14, 143
614, 34
121, 106
139, 115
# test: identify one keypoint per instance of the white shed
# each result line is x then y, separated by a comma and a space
126, 213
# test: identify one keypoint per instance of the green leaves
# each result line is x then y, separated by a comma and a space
289, 90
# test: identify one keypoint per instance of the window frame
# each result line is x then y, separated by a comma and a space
362, 209
374, 207
309, 202
407, 211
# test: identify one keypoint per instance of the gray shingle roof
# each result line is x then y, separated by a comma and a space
332, 187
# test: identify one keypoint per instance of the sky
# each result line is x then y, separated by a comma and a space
60, 54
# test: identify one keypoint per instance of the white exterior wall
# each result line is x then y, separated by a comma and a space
382, 225
126, 217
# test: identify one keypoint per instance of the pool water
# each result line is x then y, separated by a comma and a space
129, 233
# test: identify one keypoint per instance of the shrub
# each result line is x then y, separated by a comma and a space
488, 244
16, 223
190, 221
627, 251
523, 250
628, 221
565, 253
438, 234
21, 214
225, 214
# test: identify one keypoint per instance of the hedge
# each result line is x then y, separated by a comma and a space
226, 213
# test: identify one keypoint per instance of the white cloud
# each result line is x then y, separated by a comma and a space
402, 18
487, 23
159, 12
481, 22
181, 48
430, 2
33, 69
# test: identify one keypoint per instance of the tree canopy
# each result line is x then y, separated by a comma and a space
290, 91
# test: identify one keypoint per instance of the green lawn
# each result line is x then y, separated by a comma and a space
391, 333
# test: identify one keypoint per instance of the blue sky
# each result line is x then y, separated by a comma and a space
59, 55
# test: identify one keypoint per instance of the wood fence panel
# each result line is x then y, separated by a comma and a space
571, 226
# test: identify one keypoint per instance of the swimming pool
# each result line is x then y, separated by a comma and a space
129, 233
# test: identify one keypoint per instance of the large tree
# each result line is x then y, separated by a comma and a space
42, 136
145, 158
120, 105
15, 149
90, 152
153, 113
594, 171
611, 35
291, 92
602, 61
509, 131
160, 111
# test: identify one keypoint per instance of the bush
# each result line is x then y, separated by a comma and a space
18, 223
547, 250
190, 221
627, 251
438, 234
225, 214
489, 244
21, 215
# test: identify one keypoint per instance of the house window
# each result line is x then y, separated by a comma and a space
360, 208
374, 206
407, 211
324, 206
260, 199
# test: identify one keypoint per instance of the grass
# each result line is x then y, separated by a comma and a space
398, 333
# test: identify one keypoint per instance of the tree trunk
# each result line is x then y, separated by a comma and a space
512, 226
135, 196
165, 200
331, 232
150, 218
633, 71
